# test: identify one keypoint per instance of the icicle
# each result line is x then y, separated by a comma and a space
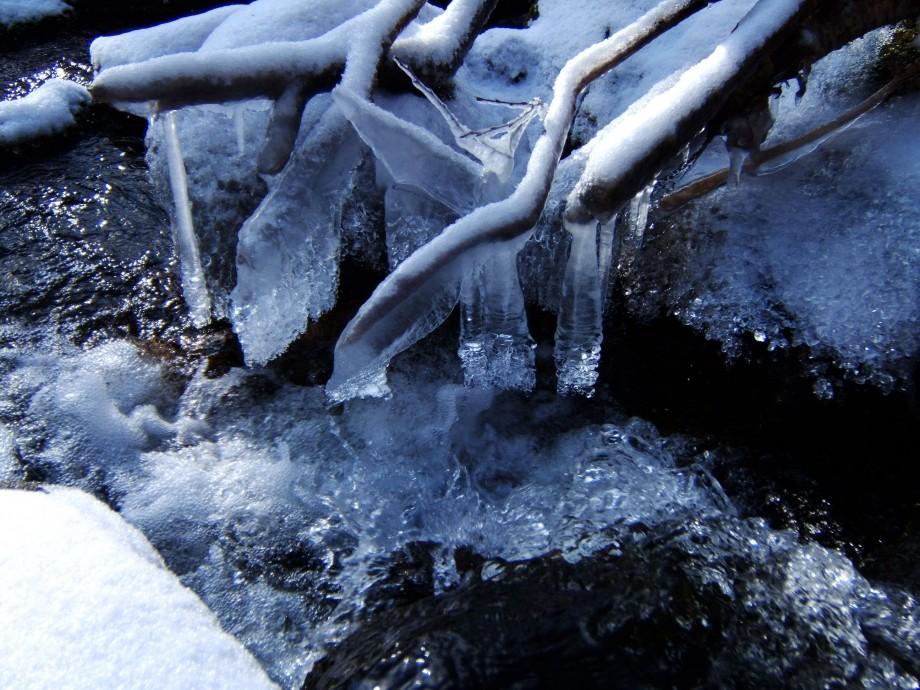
579, 325
239, 122
194, 286
495, 344
737, 157
638, 211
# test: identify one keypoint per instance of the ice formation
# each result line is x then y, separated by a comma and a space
397, 314
495, 346
820, 254
47, 111
282, 277
579, 325
194, 286
13, 12
77, 579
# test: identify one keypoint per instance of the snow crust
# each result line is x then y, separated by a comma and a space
819, 253
13, 12
78, 580
47, 111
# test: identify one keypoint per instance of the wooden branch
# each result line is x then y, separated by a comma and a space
716, 179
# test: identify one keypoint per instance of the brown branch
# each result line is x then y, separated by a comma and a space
714, 180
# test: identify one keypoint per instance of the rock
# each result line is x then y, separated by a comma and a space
692, 603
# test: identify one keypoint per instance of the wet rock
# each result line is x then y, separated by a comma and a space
694, 603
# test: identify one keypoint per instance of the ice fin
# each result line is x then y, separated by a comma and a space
495, 345
288, 251
194, 287
494, 147
361, 357
413, 156
579, 325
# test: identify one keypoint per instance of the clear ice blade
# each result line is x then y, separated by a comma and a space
413, 156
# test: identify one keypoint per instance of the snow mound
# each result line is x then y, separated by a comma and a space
80, 583
47, 111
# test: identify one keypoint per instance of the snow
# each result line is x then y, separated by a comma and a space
179, 36
13, 12
47, 111
623, 145
77, 580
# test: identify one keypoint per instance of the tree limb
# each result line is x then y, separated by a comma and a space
629, 151
437, 49
714, 180
234, 74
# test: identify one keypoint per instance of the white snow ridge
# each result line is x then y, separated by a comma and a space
88, 603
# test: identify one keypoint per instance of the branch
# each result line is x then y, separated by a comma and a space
716, 179
405, 306
630, 150
232, 74
437, 49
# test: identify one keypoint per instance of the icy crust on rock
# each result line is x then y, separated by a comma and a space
47, 111
285, 530
13, 12
77, 579
821, 253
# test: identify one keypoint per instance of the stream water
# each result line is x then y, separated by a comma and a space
444, 537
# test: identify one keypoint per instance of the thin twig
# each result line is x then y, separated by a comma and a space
714, 180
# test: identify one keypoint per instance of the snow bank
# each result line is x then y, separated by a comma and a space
48, 110
14, 12
87, 603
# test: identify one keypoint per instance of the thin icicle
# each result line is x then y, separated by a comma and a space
495, 344
194, 286
579, 325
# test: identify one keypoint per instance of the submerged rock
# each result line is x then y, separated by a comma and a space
687, 603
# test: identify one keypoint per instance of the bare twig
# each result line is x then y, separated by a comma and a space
714, 180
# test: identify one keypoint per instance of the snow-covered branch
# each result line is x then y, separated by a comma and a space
437, 48
351, 50
625, 154
423, 290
